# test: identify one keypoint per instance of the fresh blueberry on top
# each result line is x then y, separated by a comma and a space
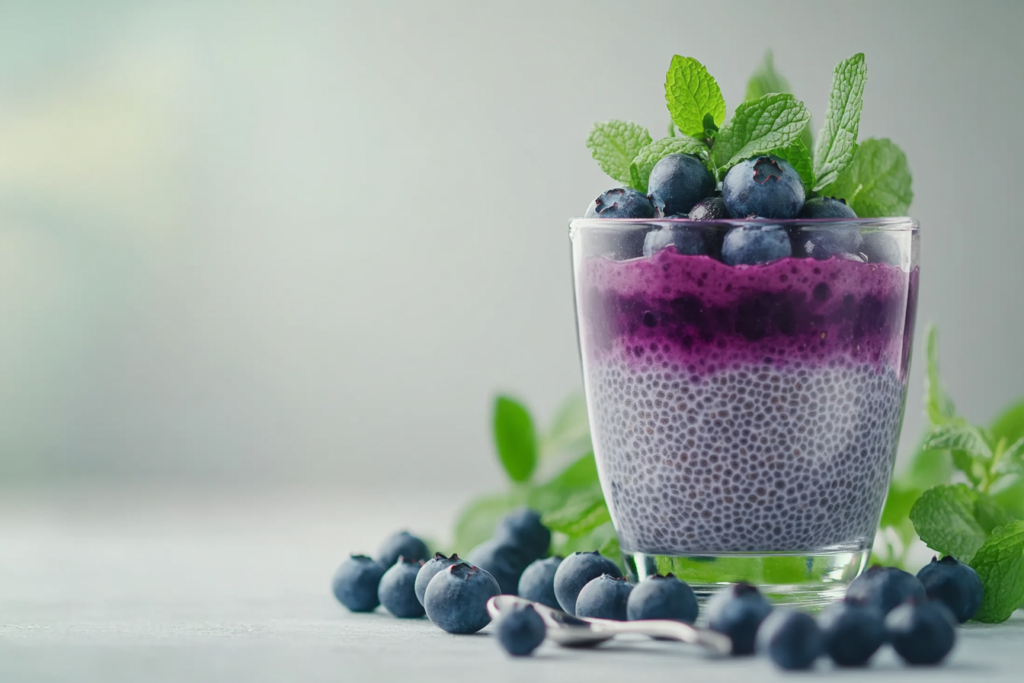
880, 248
921, 632
575, 572
710, 209
355, 583
826, 207
538, 582
853, 632
766, 186
793, 640
823, 242
621, 203
521, 631
431, 567
687, 239
401, 544
885, 587
522, 528
662, 597
604, 598
678, 182
737, 611
955, 584
754, 244
456, 598
397, 590
504, 562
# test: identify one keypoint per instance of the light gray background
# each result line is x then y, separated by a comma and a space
297, 241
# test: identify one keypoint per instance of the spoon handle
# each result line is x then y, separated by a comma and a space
711, 641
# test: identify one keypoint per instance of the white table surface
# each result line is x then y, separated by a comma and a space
137, 583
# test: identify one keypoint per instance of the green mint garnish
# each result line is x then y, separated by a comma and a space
799, 157
838, 138
614, 144
640, 169
580, 515
768, 123
944, 519
691, 94
766, 80
1000, 564
514, 438
877, 183
938, 404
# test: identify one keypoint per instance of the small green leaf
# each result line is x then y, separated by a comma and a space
650, 155
478, 520
877, 183
578, 478
766, 80
1000, 565
514, 438
614, 144
928, 468
710, 129
671, 129
958, 435
580, 515
1010, 424
799, 157
989, 513
766, 124
1011, 499
944, 519
838, 137
691, 93
938, 405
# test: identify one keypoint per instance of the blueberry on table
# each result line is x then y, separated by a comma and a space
765, 186
662, 597
522, 528
429, 569
880, 248
853, 632
686, 239
538, 582
621, 203
456, 598
504, 562
885, 587
921, 632
826, 207
355, 583
737, 611
710, 209
397, 590
955, 584
827, 241
678, 182
754, 244
604, 598
792, 640
401, 544
575, 572
521, 631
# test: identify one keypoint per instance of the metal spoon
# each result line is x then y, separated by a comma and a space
570, 631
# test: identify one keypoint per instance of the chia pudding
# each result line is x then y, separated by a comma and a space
751, 408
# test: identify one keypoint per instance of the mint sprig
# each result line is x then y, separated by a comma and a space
1000, 565
838, 138
614, 144
692, 94
877, 182
765, 80
514, 438
768, 123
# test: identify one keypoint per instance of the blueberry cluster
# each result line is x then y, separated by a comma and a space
765, 187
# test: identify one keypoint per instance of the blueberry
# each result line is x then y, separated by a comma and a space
885, 587
826, 241
621, 203
429, 569
662, 597
521, 631
853, 632
397, 590
686, 239
766, 186
955, 584
710, 209
355, 583
880, 248
826, 207
753, 244
678, 182
737, 611
538, 582
921, 632
456, 598
401, 544
504, 562
604, 598
575, 572
523, 529
793, 640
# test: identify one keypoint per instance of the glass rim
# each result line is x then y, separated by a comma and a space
891, 224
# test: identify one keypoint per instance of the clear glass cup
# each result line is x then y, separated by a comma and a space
745, 418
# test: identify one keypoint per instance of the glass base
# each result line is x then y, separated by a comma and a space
808, 581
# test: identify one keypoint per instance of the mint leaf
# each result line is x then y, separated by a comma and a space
944, 519
766, 80
769, 123
838, 137
514, 438
570, 430
579, 516
640, 169
877, 183
958, 435
928, 468
799, 158
614, 144
691, 93
1010, 424
602, 538
577, 479
671, 129
1000, 564
1011, 499
478, 520
937, 402
989, 513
